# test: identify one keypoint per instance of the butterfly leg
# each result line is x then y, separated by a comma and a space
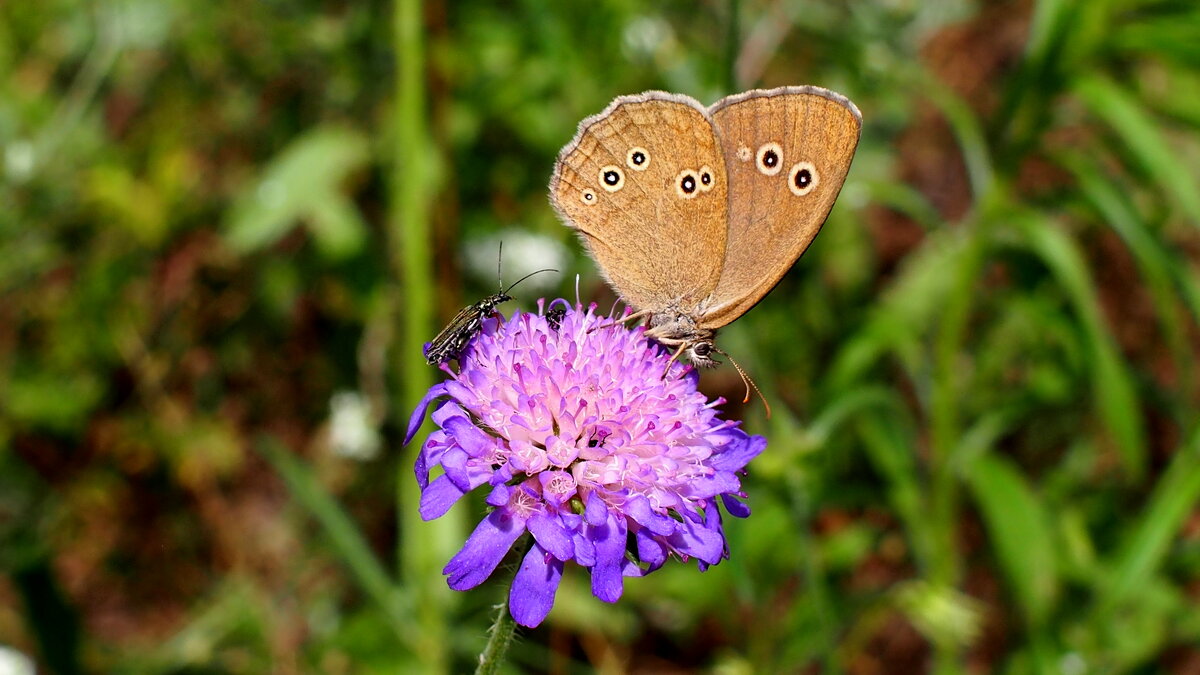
674, 357
617, 322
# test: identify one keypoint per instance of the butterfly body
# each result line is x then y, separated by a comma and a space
694, 214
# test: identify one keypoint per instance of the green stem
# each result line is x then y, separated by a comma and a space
504, 627
422, 547
946, 432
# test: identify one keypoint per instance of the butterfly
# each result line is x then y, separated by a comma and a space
694, 214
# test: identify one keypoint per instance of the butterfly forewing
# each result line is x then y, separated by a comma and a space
644, 183
786, 152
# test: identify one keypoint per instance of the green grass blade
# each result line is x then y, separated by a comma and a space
908, 308
1155, 265
891, 451
1143, 138
1173, 501
346, 538
967, 131
1017, 525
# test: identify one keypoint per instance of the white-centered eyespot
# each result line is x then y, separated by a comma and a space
638, 158
612, 178
744, 154
588, 197
769, 159
687, 184
707, 178
803, 178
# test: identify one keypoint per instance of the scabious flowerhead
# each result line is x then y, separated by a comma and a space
585, 444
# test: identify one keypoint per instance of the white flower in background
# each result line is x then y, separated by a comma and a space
524, 252
352, 431
13, 662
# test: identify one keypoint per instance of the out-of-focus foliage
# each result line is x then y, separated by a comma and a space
984, 454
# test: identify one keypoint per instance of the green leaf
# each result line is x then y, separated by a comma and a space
1174, 499
304, 183
1017, 527
1143, 138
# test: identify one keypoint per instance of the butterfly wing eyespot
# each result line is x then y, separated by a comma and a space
588, 197
687, 184
638, 158
612, 178
707, 178
803, 178
769, 158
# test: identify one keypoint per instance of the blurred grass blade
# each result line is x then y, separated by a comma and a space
909, 307
1155, 265
892, 453
1017, 526
1116, 401
967, 131
1174, 500
1143, 139
347, 540
905, 199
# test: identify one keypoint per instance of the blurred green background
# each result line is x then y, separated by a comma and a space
227, 228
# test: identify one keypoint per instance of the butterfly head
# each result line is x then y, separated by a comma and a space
700, 353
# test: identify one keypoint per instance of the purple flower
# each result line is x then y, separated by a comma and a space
584, 444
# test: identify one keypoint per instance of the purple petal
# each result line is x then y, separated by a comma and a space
484, 550
610, 551
499, 495
418, 415
534, 587
585, 551
596, 512
629, 569
550, 534
470, 438
437, 499
650, 549
460, 393
706, 488
698, 541
445, 411
638, 508
430, 455
455, 462
735, 507
738, 452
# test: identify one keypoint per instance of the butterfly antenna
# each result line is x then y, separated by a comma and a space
548, 269
747, 381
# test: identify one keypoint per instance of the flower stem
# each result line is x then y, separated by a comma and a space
503, 628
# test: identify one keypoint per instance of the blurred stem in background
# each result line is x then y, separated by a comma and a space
423, 547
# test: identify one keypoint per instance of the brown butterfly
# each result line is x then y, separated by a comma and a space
694, 214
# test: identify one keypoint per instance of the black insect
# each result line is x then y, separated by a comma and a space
450, 343
555, 315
